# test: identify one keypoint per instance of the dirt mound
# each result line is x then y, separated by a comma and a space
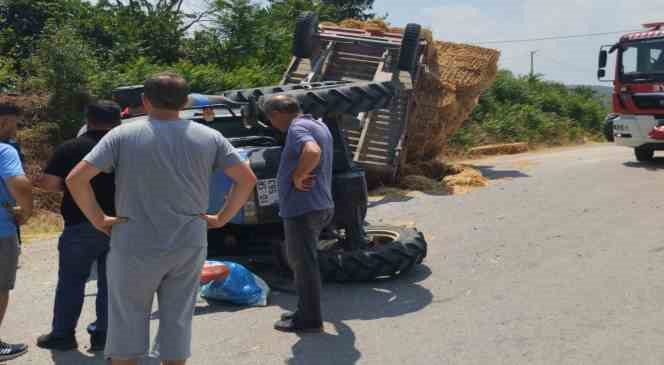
33, 107
447, 93
37, 147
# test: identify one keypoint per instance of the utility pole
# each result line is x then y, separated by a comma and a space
532, 63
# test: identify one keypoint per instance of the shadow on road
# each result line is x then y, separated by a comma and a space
370, 301
388, 199
77, 358
656, 164
492, 174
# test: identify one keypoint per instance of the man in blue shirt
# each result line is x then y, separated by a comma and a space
305, 204
16, 200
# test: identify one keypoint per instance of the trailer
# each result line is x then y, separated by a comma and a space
323, 53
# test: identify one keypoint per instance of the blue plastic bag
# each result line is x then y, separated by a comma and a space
239, 287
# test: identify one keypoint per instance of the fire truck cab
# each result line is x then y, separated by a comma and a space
638, 90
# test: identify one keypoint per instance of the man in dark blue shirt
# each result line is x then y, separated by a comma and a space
305, 204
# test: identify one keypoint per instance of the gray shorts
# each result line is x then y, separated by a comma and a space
132, 283
9, 251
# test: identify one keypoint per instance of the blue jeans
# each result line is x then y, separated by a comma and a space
79, 246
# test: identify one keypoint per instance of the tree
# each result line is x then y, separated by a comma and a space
63, 65
356, 9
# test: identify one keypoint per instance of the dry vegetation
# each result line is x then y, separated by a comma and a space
36, 140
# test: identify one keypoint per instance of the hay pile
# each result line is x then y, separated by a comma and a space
466, 180
436, 177
369, 25
447, 93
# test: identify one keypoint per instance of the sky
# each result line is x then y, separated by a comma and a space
572, 61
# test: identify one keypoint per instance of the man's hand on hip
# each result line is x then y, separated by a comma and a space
304, 182
215, 221
106, 224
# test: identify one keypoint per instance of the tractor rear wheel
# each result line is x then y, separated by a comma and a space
306, 29
391, 251
409, 46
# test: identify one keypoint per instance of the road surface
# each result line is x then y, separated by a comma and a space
559, 261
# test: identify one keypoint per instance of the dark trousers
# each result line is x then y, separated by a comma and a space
302, 237
79, 246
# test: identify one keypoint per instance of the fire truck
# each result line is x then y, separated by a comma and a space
638, 92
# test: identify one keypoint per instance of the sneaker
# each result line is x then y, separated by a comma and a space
57, 342
9, 351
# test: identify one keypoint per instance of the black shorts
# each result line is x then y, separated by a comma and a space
9, 252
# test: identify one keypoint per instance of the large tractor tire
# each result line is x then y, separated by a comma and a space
409, 46
306, 29
392, 251
351, 98
243, 95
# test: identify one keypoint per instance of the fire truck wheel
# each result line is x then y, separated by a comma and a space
608, 130
306, 28
644, 155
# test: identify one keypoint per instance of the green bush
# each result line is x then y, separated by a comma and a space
8, 78
523, 109
63, 64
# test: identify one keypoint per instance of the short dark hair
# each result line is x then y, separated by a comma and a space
103, 112
166, 90
9, 108
281, 103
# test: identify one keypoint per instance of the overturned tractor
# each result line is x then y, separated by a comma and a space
350, 249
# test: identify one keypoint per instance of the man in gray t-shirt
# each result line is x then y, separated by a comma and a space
162, 170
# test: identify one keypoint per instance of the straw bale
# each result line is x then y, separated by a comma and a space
352, 23
329, 24
371, 25
446, 95
377, 23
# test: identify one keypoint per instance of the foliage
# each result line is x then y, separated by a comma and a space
525, 109
8, 77
63, 65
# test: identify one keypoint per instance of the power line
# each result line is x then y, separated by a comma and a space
568, 66
558, 37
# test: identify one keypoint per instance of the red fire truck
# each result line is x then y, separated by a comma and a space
638, 93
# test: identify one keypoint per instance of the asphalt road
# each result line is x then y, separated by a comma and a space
559, 261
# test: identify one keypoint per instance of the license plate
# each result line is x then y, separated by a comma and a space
268, 192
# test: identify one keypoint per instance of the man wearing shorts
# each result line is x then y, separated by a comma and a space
163, 167
80, 243
16, 200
